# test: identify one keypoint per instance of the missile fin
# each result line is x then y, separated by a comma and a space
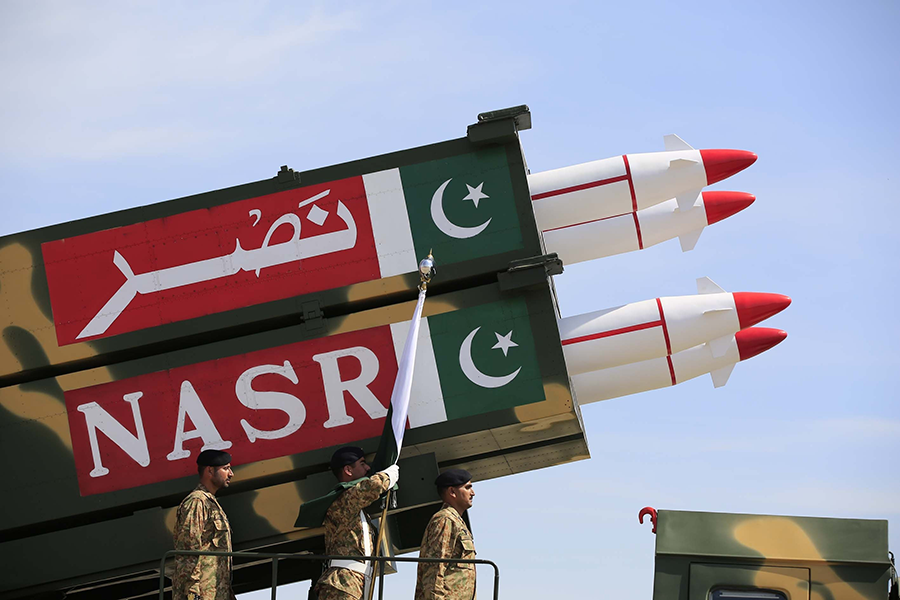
715, 310
673, 142
681, 162
720, 346
705, 285
720, 376
689, 240
687, 200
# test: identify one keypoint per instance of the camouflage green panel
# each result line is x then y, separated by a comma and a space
797, 557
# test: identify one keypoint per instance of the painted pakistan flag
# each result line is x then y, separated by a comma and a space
486, 358
462, 207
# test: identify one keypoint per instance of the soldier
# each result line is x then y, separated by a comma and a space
347, 528
201, 524
447, 536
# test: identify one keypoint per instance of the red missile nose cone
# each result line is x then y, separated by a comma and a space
757, 340
721, 164
721, 205
753, 307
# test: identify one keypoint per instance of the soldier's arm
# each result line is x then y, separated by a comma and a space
436, 543
190, 537
365, 492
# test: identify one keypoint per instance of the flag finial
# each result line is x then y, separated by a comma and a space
427, 270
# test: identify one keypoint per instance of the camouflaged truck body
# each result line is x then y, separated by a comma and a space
718, 556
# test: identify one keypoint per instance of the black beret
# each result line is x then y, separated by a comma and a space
453, 478
213, 458
346, 456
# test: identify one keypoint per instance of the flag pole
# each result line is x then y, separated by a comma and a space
402, 387
378, 540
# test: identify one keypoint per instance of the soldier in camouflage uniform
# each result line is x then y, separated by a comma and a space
447, 536
347, 528
201, 524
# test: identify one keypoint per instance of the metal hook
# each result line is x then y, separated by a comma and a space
648, 510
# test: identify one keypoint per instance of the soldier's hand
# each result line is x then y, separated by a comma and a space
393, 473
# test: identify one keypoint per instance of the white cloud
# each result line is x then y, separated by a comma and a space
109, 81
75, 80
92, 49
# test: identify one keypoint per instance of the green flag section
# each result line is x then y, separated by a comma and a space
312, 513
472, 361
462, 207
486, 358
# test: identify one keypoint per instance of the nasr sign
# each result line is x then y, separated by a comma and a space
299, 397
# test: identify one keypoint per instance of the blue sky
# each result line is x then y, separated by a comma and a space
105, 106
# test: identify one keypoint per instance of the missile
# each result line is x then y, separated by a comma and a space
660, 327
624, 380
644, 228
629, 183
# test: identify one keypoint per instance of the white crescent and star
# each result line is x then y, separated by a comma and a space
475, 194
471, 371
448, 227
504, 342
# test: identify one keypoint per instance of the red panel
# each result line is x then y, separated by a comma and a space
82, 276
214, 382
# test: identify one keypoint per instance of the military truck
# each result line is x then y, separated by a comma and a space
722, 556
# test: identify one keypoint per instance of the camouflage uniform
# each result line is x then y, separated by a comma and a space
446, 536
344, 536
201, 524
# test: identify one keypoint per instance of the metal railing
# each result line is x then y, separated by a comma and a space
276, 556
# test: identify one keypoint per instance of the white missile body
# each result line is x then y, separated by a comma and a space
628, 183
644, 228
662, 372
656, 328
